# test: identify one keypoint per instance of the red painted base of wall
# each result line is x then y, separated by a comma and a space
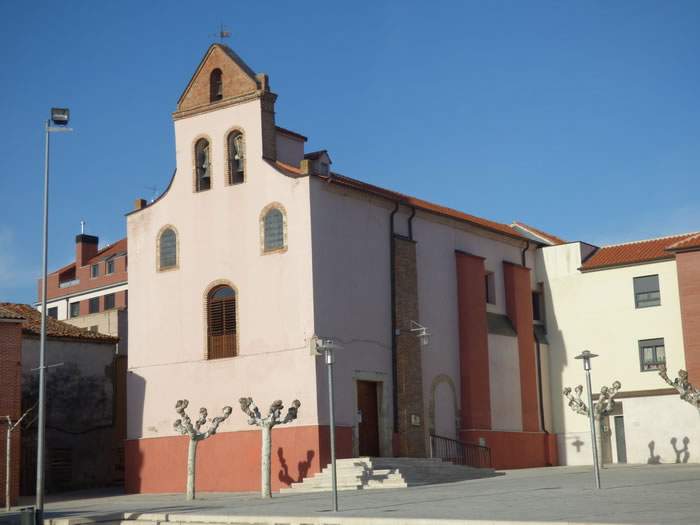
230, 461
516, 449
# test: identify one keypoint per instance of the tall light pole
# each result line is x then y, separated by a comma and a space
586, 356
59, 119
327, 346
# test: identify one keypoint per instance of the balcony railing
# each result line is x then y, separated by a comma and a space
68, 284
459, 453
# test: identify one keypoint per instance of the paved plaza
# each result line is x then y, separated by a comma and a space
641, 494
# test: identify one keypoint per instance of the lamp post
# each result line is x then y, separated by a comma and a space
59, 119
586, 356
327, 346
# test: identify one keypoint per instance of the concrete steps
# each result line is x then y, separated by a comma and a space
366, 473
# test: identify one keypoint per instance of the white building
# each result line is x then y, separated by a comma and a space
256, 247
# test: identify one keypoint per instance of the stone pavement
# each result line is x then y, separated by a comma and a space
642, 494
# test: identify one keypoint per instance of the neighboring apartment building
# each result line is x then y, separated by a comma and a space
86, 400
256, 247
636, 305
92, 292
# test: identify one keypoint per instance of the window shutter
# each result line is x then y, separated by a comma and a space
221, 323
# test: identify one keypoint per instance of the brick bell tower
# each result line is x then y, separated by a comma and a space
223, 79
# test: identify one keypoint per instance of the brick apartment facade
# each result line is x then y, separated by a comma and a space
92, 291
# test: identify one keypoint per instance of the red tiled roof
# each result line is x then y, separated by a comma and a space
54, 328
6, 313
539, 233
117, 247
634, 252
109, 250
693, 241
348, 182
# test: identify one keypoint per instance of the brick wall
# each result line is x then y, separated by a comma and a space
10, 400
235, 80
688, 266
409, 373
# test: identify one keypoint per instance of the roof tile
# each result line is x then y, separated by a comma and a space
634, 252
54, 328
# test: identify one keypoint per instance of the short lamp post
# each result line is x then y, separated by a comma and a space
58, 122
327, 347
586, 356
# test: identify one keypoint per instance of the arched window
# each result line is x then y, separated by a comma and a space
273, 230
216, 91
202, 165
221, 322
167, 249
236, 157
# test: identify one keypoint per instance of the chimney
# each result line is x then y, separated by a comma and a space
140, 204
85, 248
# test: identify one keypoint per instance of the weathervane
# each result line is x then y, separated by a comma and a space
222, 33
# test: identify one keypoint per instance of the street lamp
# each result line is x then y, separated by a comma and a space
59, 119
327, 346
586, 356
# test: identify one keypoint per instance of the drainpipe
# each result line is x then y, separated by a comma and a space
410, 222
392, 271
523, 252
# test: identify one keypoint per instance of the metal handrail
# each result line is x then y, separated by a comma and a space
460, 453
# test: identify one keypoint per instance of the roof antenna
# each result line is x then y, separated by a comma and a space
154, 192
222, 33
82, 227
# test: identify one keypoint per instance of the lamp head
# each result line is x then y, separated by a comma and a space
586, 355
59, 116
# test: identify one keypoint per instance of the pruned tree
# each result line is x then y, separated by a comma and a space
273, 418
11, 427
685, 388
603, 408
196, 434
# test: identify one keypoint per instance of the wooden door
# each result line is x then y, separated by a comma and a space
368, 427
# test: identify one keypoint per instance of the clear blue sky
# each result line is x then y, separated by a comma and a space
579, 117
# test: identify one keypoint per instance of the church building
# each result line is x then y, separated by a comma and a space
256, 247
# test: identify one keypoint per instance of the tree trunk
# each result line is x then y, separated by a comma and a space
191, 464
266, 490
601, 441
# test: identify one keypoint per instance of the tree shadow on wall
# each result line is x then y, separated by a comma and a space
653, 459
303, 467
682, 454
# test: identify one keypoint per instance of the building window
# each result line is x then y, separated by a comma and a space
652, 354
109, 301
94, 305
167, 249
646, 291
109, 266
221, 322
95, 270
216, 91
273, 230
490, 283
52, 312
537, 306
74, 309
202, 165
236, 157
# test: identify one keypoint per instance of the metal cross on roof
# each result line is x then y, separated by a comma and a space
222, 33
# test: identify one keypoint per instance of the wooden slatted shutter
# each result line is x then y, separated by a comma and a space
221, 322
